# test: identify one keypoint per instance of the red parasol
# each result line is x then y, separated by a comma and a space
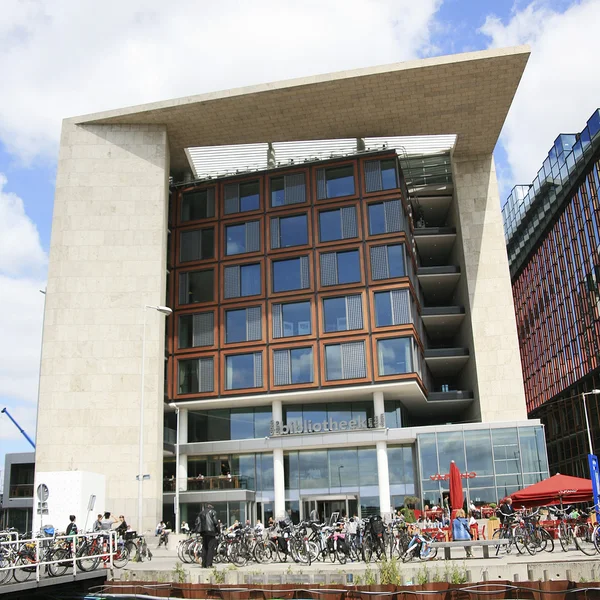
554, 490
456, 491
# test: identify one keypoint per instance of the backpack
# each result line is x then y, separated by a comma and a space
377, 525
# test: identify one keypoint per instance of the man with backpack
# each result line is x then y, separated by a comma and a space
208, 527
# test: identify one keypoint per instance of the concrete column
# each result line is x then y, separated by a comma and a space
277, 411
378, 404
383, 474
182, 473
279, 481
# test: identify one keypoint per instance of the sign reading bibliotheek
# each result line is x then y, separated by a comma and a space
326, 426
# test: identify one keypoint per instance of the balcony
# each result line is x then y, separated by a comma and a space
438, 284
211, 484
21, 490
446, 361
434, 245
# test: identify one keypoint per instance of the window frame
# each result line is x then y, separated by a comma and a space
196, 188
363, 186
175, 379
397, 286
223, 371
283, 215
240, 306
380, 200
202, 261
294, 338
344, 382
203, 267
316, 371
288, 256
339, 249
242, 214
352, 291
233, 223
194, 311
413, 375
399, 239
246, 261
285, 207
335, 165
330, 206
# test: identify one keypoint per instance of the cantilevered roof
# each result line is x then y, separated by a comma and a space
464, 94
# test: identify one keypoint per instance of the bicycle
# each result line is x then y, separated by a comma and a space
419, 545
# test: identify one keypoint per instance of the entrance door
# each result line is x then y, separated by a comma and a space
328, 506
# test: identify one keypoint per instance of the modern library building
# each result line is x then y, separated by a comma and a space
288, 298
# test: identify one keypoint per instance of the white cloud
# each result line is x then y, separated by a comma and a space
62, 59
560, 88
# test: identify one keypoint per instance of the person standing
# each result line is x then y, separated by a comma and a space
460, 529
97, 526
506, 510
71, 527
209, 529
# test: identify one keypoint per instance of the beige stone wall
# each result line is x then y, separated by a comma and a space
107, 260
496, 360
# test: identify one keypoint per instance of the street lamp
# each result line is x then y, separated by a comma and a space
164, 310
340, 474
587, 421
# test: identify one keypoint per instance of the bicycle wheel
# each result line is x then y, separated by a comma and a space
584, 539
57, 569
548, 540
596, 538
263, 553
87, 557
133, 550
121, 556
428, 552
367, 549
24, 568
239, 555
5, 572
565, 536
500, 534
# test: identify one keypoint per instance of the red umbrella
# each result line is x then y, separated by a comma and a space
554, 490
456, 491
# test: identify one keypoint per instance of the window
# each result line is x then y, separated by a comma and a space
243, 371
241, 197
343, 313
345, 361
196, 286
290, 274
289, 231
198, 204
340, 267
198, 244
196, 376
339, 224
196, 330
294, 366
393, 308
387, 261
242, 280
386, 217
394, 356
335, 182
288, 189
291, 319
243, 325
380, 175
242, 237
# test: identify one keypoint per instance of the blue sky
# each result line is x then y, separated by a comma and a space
61, 60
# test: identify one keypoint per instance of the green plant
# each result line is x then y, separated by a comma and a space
457, 575
411, 501
422, 575
408, 514
289, 570
437, 577
179, 573
492, 505
370, 578
389, 573
582, 579
493, 518
218, 576
358, 580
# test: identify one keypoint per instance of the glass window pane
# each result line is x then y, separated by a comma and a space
249, 196
235, 326
208, 243
313, 470
286, 275
451, 447
240, 371
340, 181
302, 365
235, 239
330, 225
348, 267
367, 466
376, 219
188, 376
195, 205
334, 314
343, 468
200, 286
383, 309
428, 455
277, 192
218, 425
293, 231
478, 446
396, 260
296, 319
242, 423
388, 174
333, 362
251, 280
394, 356
262, 422
186, 331
339, 412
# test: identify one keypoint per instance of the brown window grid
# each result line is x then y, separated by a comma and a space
173, 388
291, 212
339, 292
282, 173
223, 371
202, 267
249, 213
363, 191
341, 248
295, 386
343, 382
345, 163
297, 339
379, 200
400, 238
179, 201
238, 306
395, 286
176, 245
240, 221
291, 253
402, 332
331, 205
192, 310
241, 262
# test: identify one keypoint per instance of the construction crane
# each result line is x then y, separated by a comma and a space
5, 411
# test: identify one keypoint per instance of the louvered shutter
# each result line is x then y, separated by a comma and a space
252, 236
379, 263
328, 268
206, 368
232, 282
203, 329
232, 198
294, 188
183, 288
373, 182
354, 316
277, 321
393, 216
401, 307
349, 226
281, 367
354, 364
253, 324
258, 372
321, 184
275, 235
304, 278
210, 203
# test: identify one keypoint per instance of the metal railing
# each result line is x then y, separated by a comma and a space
21, 490
207, 484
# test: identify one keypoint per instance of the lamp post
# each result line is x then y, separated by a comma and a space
165, 310
587, 421
340, 474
